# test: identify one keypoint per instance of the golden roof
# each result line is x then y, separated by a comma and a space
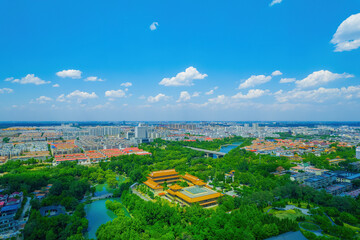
190, 178
163, 173
153, 185
175, 187
194, 200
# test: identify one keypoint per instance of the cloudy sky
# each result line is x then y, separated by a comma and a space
180, 60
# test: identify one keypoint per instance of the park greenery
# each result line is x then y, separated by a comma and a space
253, 181
255, 213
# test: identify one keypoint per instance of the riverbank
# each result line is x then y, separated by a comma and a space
96, 211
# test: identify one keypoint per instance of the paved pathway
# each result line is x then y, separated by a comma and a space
133, 189
316, 232
290, 207
26, 208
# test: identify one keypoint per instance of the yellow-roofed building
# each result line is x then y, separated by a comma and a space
168, 176
188, 196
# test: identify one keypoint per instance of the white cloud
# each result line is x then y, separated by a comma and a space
28, 79
78, 95
71, 73
318, 95
184, 96
347, 36
142, 97
287, 80
183, 78
101, 106
81, 95
275, 2
196, 94
126, 84
56, 85
154, 26
42, 100
157, 98
9, 79
253, 93
211, 92
319, 78
276, 73
6, 90
115, 93
221, 99
93, 79
61, 98
255, 80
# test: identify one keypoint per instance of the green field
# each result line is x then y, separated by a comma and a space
310, 226
290, 214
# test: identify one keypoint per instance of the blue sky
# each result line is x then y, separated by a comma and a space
180, 60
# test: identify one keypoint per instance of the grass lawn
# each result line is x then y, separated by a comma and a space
290, 214
309, 226
303, 204
266, 209
356, 229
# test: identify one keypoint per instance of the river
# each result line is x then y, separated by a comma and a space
97, 213
228, 148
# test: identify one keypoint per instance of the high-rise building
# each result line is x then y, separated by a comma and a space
358, 152
141, 132
130, 135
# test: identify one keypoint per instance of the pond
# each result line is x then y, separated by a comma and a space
228, 148
97, 213
289, 236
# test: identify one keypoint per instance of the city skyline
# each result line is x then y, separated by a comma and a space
235, 61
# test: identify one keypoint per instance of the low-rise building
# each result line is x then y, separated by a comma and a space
321, 181
347, 176
354, 193
301, 176
339, 188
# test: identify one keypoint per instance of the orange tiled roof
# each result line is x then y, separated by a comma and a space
163, 173
206, 203
198, 199
199, 183
153, 185
163, 178
190, 178
175, 187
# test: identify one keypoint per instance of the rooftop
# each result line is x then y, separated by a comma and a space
163, 173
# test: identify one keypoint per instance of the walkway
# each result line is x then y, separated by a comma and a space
26, 208
133, 189
290, 207
316, 232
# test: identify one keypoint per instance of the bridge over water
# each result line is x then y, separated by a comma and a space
208, 153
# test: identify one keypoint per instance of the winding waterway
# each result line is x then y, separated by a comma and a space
228, 148
97, 213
